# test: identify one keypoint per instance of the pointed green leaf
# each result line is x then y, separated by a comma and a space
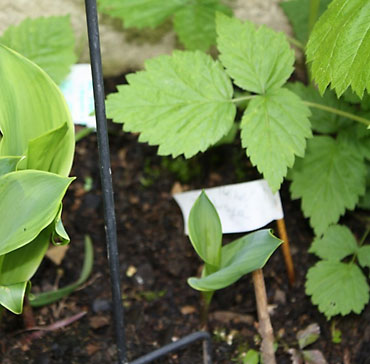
31, 105
46, 298
181, 103
195, 23
205, 230
337, 288
11, 297
274, 129
43, 151
298, 12
140, 13
238, 258
339, 47
59, 235
322, 121
330, 180
336, 243
8, 164
364, 256
30, 255
49, 42
258, 60
29, 201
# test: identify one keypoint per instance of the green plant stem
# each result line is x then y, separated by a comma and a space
337, 112
364, 237
83, 133
296, 42
314, 12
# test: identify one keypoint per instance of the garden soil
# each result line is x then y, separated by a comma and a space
156, 258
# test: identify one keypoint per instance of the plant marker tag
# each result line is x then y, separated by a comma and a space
242, 207
77, 89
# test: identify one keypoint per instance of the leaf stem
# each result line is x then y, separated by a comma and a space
338, 112
296, 42
243, 98
364, 236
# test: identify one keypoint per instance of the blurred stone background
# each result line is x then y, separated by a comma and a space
126, 49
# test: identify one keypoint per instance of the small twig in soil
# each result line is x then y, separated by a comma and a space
28, 317
286, 250
265, 328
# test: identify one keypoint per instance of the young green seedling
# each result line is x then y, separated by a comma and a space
224, 265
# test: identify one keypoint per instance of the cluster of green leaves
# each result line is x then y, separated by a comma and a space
193, 20
184, 103
46, 41
224, 265
337, 286
36, 153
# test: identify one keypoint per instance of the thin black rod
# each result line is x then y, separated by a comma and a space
106, 176
185, 341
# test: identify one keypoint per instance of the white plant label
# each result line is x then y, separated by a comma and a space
78, 91
242, 207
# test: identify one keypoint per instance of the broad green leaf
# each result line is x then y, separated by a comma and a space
11, 297
31, 105
30, 257
251, 357
29, 202
49, 42
181, 103
195, 23
59, 235
44, 152
205, 230
140, 13
274, 129
8, 164
238, 258
336, 243
258, 60
297, 12
337, 288
322, 121
46, 298
364, 256
339, 47
331, 178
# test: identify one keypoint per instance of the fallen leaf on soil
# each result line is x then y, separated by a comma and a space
176, 188
188, 310
92, 349
308, 335
296, 356
313, 357
227, 317
131, 270
96, 322
57, 253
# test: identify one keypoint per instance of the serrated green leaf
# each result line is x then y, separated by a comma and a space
181, 103
31, 255
238, 258
205, 230
140, 13
195, 23
258, 60
339, 47
31, 105
330, 180
322, 121
8, 164
29, 201
297, 12
11, 297
336, 243
352, 98
49, 42
337, 288
274, 129
363, 256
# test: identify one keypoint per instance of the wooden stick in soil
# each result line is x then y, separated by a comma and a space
28, 317
265, 328
286, 250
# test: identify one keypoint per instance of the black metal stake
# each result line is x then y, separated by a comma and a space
106, 176
109, 214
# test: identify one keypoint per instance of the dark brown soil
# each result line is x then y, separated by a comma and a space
159, 305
